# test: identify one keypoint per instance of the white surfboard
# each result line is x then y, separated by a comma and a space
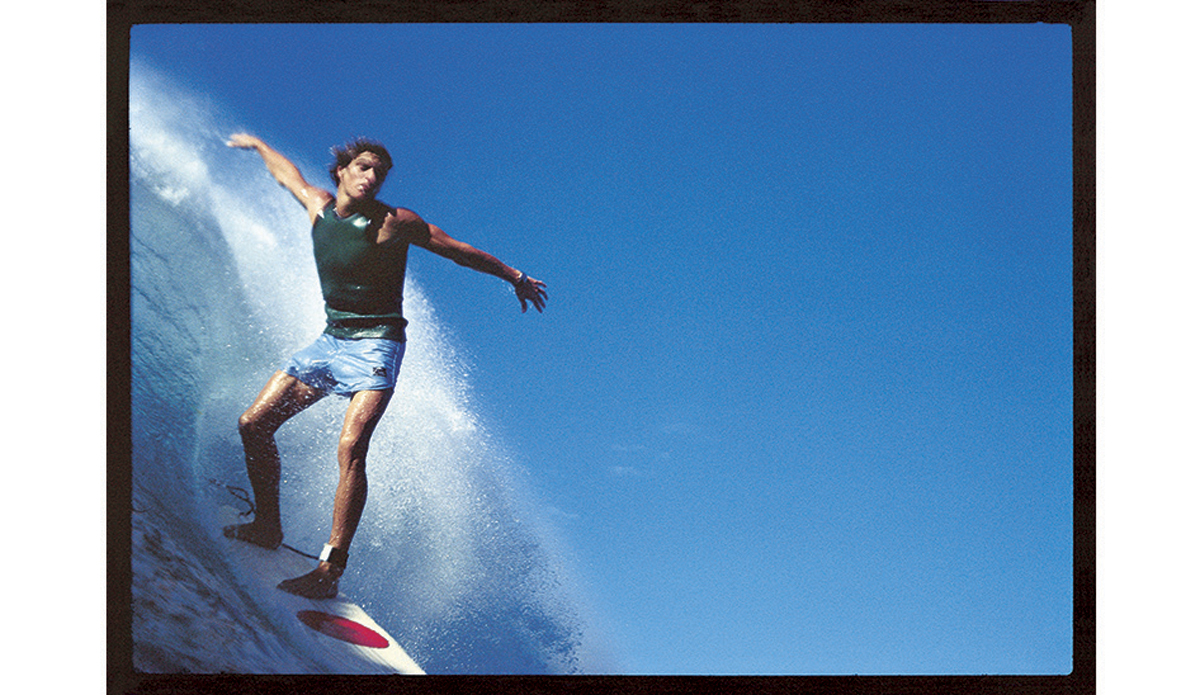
340, 633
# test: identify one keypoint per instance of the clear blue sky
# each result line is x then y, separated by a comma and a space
803, 387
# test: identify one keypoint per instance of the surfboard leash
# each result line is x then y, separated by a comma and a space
299, 552
243, 496
237, 492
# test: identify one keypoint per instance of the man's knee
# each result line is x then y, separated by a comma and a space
366, 407
352, 451
352, 454
251, 425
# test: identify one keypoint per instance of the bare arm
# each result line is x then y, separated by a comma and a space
408, 224
286, 173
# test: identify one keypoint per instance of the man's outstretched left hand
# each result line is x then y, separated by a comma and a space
530, 290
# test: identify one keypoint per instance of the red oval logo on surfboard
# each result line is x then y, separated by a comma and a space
343, 628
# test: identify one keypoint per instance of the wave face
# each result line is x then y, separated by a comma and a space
450, 557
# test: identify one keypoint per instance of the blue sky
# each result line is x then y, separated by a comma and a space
803, 386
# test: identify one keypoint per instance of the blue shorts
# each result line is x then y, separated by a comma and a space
342, 366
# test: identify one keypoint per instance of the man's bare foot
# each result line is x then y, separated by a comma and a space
260, 534
320, 583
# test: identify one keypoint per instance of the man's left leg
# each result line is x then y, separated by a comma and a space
366, 408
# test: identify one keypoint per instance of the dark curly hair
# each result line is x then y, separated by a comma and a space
342, 156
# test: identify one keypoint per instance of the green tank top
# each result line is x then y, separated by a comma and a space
362, 281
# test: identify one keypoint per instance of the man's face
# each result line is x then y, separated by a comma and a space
362, 177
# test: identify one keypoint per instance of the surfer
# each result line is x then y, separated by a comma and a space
361, 248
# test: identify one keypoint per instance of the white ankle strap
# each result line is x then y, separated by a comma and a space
334, 556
